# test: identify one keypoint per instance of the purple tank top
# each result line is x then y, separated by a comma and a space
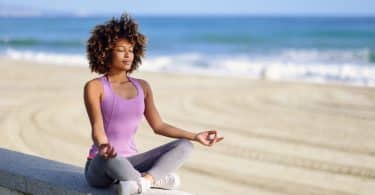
121, 118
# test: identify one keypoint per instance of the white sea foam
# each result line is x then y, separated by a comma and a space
355, 71
48, 58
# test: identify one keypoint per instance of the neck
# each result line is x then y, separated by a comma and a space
117, 77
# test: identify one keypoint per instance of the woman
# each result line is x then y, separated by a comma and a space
115, 103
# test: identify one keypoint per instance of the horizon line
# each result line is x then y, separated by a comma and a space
83, 15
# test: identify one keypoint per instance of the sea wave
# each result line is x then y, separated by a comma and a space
354, 70
46, 57
334, 56
35, 42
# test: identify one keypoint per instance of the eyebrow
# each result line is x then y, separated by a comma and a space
124, 46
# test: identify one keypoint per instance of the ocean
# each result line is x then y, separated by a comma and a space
314, 49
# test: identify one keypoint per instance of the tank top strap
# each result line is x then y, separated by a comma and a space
137, 85
103, 80
109, 102
106, 86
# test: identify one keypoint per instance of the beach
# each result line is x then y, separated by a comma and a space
280, 137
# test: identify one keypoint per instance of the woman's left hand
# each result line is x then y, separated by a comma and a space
208, 138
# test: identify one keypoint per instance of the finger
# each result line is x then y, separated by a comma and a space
110, 147
112, 155
103, 145
103, 150
212, 142
111, 150
212, 135
209, 132
219, 139
106, 149
204, 142
207, 135
212, 132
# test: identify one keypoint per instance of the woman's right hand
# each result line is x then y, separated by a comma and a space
107, 151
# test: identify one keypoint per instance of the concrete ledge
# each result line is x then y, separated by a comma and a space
25, 174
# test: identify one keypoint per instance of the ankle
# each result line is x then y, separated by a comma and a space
148, 177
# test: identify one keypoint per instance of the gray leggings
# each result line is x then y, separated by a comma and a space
158, 162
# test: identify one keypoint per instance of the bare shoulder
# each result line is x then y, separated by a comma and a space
145, 85
93, 83
94, 86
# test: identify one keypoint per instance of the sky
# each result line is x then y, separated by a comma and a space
195, 7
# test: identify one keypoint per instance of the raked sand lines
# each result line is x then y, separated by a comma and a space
353, 157
280, 138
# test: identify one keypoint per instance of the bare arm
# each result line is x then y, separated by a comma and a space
92, 91
155, 121
170, 131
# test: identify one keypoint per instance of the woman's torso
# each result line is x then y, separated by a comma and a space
121, 117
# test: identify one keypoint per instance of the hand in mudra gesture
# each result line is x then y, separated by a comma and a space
208, 138
107, 151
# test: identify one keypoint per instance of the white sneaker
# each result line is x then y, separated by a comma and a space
127, 187
170, 182
143, 185
132, 187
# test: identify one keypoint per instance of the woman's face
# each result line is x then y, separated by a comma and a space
122, 55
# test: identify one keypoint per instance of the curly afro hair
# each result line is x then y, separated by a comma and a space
103, 38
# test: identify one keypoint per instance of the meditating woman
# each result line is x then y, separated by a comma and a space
115, 103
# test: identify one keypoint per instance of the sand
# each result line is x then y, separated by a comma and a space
280, 137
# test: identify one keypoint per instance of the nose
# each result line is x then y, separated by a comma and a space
126, 54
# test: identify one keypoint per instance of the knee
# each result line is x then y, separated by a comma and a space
120, 168
117, 162
185, 145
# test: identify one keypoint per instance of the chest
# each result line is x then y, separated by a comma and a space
125, 91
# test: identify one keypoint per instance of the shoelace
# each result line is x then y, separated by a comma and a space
163, 181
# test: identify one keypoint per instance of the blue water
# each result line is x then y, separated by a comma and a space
198, 41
